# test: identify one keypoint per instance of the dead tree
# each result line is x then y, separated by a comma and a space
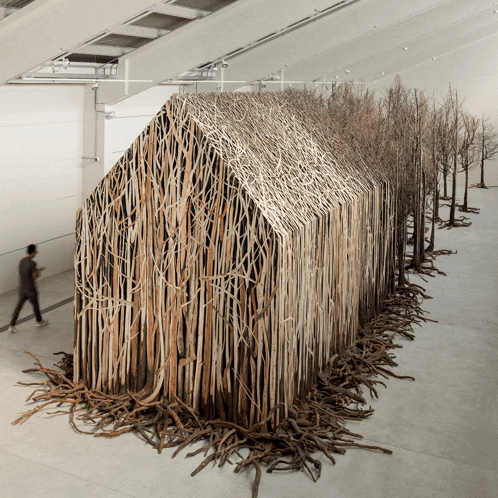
488, 139
444, 144
468, 153
455, 106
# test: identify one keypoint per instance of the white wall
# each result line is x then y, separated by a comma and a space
41, 144
46, 132
132, 116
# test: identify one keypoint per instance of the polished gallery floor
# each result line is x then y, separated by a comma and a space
442, 428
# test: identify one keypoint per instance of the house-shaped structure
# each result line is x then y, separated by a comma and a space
228, 255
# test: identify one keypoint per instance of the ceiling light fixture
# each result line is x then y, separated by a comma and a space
405, 48
224, 64
57, 66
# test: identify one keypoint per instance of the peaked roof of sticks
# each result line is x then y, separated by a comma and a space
280, 147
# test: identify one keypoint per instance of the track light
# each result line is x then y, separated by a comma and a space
57, 66
224, 64
263, 85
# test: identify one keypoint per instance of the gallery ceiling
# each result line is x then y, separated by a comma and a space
261, 41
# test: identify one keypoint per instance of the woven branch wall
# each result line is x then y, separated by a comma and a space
227, 256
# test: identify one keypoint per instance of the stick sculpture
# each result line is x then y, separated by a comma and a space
233, 272
229, 254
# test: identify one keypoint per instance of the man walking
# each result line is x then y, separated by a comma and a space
28, 273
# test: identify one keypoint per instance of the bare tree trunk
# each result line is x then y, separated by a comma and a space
453, 194
465, 195
436, 208
415, 263
482, 185
401, 250
435, 200
394, 240
445, 183
422, 224
455, 163
416, 238
392, 283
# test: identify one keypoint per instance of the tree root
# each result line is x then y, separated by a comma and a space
317, 423
468, 209
440, 252
459, 222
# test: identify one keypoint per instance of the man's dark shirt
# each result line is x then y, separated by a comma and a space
26, 269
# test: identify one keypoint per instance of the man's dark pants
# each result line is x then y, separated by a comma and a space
23, 297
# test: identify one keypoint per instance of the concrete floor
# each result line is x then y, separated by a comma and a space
442, 428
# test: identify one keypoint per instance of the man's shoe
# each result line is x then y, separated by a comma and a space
42, 323
12, 329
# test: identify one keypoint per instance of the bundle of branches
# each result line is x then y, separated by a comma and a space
226, 258
314, 424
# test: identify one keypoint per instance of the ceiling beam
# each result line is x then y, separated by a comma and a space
6, 11
105, 50
51, 28
140, 31
205, 40
179, 11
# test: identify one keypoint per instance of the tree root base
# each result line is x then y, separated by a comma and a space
458, 222
315, 424
468, 209
426, 267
